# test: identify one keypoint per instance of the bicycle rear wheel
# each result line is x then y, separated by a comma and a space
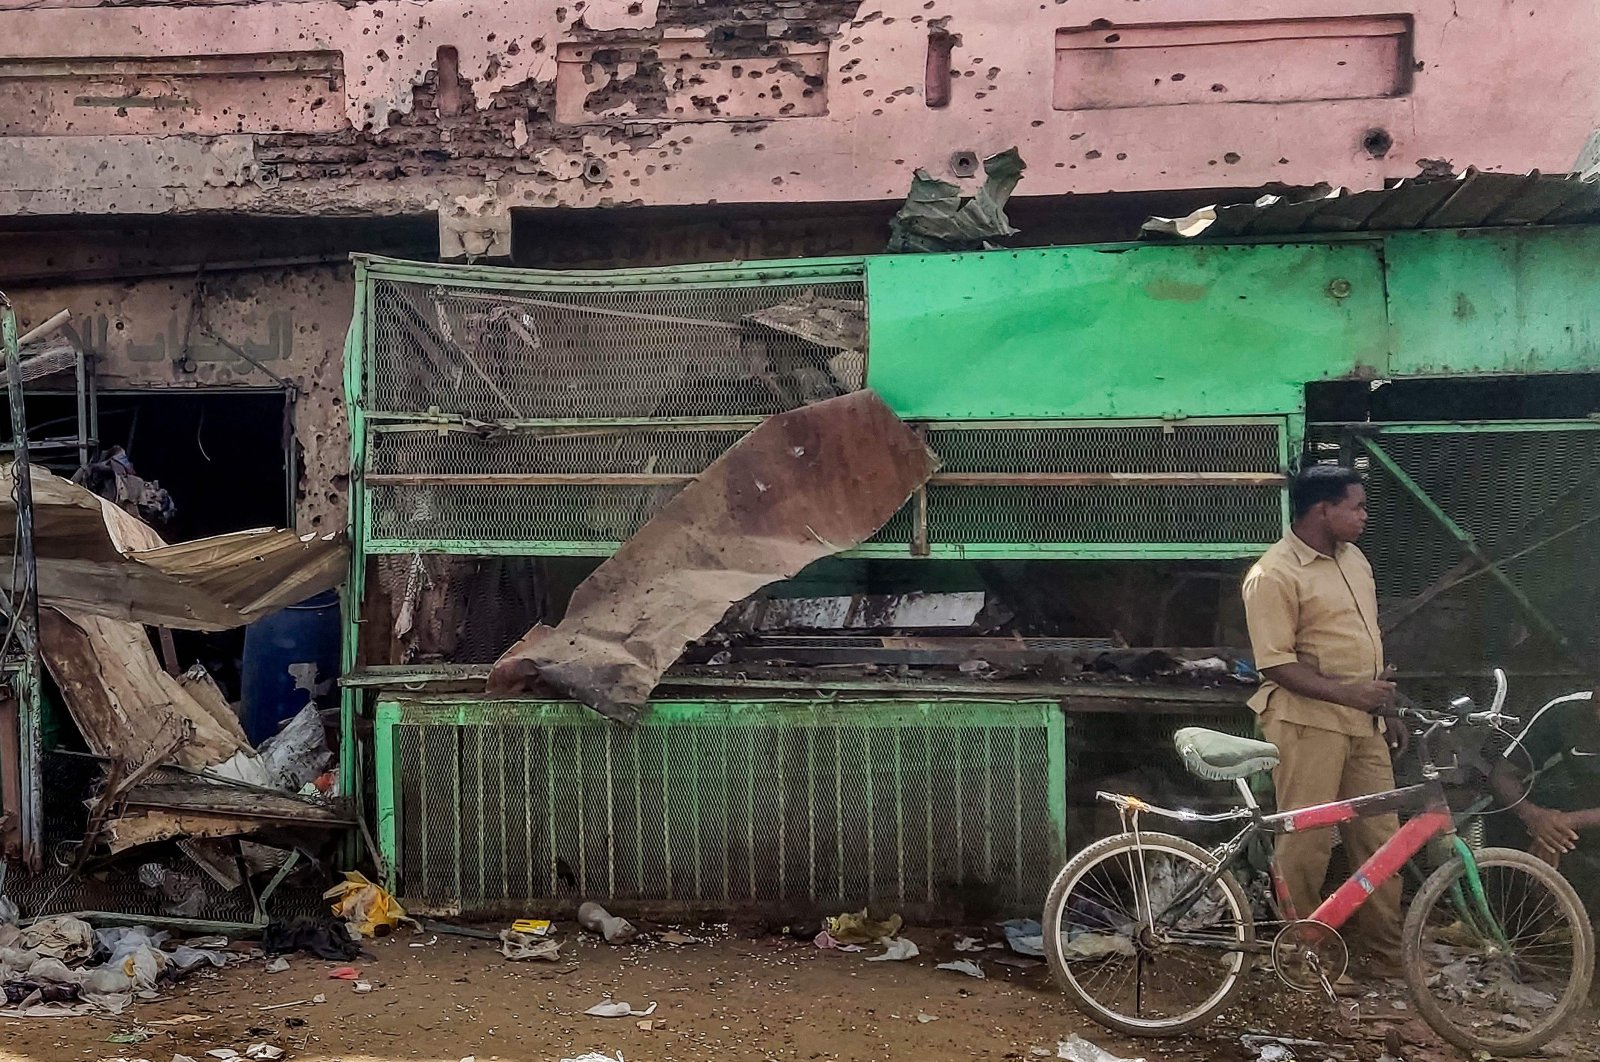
1508, 983
1127, 975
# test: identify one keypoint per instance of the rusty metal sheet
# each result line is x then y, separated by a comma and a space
801, 486
96, 559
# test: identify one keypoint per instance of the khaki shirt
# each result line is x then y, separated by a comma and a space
1304, 606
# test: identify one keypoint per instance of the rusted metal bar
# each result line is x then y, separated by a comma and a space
939, 479
598, 311
919, 512
24, 607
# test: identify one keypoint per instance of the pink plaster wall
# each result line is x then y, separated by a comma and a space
1277, 90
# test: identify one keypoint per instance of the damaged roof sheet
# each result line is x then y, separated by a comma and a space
1471, 200
96, 559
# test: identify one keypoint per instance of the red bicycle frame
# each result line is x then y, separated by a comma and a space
1433, 820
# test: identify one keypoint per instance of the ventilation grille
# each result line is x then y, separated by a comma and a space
490, 808
586, 488
616, 351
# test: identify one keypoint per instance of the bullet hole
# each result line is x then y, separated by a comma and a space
994, 72
1091, 155
1122, 156
1219, 87
1074, 136
1418, 65
1036, 124
1377, 142
1231, 157
1283, 162
777, 180
1179, 77
383, 56
1112, 38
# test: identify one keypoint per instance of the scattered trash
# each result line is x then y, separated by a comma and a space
963, 966
611, 1009
430, 942
1026, 936
532, 927
647, 1024
263, 1052
858, 928
1268, 1048
227, 1054
323, 937
592, 1056
597, 919
1076, 1049
1097, 946
135, 1035
366, 907
926, 1018
182, 1058
318, 998
1018, 962
826, 942
519, 946
672, 936
278, 965
363, 987
896, 949
344, 973
181, 1019
969, 944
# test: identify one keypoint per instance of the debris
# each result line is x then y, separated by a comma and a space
1025, 935
672, 936
533, 927
926, 1018
298, 753
318, 998
363, 987
610, 1009
226, 1054
135, 1035
263, 1052
1018, 962
934, 218
964, 966
803, 485
859, 928
322, 937
364, 906
969, 944
58, 937
1096, 946
344, 973
430, 942
96, 559
470, 932
896, 949
597, 919
182, 1019
1269, 1048
592, 1056
647, 1024
278, 965
827, 942
859, 612
1076, 1049
518, 946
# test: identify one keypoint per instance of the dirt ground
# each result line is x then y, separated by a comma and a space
730, 998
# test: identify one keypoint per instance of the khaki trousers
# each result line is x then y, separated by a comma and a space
1317, 767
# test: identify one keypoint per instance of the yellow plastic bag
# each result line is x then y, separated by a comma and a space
365, 906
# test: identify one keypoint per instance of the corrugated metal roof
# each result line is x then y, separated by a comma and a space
1471, 200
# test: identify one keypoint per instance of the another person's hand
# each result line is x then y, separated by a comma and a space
1540, 850
1398, 735
1548, 828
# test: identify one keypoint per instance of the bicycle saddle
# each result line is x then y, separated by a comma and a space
1222, 757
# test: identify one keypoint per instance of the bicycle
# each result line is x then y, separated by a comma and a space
1152, 934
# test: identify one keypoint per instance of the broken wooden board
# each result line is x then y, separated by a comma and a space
126, 706
159, 811
801, 486
94, 558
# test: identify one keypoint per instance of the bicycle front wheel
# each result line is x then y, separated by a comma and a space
1156, 971
1507, 975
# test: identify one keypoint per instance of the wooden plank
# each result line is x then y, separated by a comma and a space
941, 479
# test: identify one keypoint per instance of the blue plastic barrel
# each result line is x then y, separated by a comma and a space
283, 654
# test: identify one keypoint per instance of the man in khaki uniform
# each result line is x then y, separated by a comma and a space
1312, 608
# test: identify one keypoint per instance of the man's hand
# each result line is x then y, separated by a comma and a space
1376, 696
1540, 850
1549, 829
1398, 735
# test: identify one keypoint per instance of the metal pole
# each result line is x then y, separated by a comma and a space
24, 613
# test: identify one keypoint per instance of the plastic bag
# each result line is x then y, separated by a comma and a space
366, 907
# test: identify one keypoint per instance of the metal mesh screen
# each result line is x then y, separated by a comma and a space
618, 351
768, 806
1510, 490
598, 514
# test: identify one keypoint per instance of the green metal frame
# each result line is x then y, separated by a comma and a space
462, 711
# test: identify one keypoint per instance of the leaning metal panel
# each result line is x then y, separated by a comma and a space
621, 350
492, 807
